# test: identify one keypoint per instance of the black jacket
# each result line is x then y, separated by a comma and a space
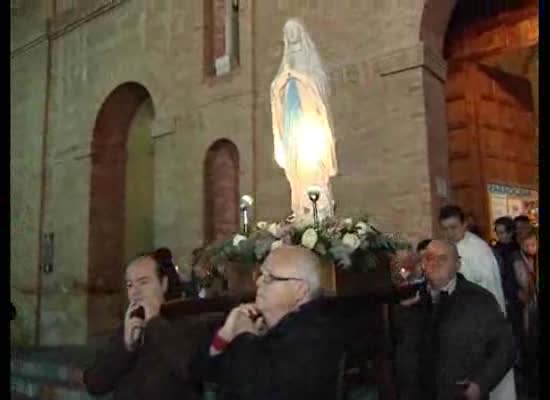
299, 358
504, 253
466, 337
158, 369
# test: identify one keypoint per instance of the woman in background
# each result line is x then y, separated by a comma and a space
526, 272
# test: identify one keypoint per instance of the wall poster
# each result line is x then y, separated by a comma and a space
512, 201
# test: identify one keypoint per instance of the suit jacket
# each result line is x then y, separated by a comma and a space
465, 337
158, 369
504, 253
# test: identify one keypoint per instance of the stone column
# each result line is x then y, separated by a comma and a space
414, 80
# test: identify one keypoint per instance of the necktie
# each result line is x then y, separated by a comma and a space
432, 346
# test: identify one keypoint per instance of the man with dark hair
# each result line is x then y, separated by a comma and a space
522, 227
422, 245
478, 265
526, 271
146, 358
176, 286
453, 342
504, 250
504, 229
163, 254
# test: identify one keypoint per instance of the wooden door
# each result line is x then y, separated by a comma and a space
491, 135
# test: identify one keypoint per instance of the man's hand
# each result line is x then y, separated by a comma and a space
132, 327
411, 301
241, 320
471, 390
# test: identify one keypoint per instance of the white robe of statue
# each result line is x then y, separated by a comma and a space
479, 265
302, 128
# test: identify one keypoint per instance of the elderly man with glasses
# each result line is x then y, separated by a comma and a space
285, 345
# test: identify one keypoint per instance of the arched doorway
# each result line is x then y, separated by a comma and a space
139, 183
492, 121
221, 191
121, 195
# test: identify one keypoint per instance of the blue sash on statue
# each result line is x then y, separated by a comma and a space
292, 111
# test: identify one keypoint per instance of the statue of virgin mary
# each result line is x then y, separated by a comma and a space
302, 126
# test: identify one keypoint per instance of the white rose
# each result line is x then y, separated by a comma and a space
276, 244
363, 228
351, 240
262, 225
274, 229
238, 239
348, 222
309, 238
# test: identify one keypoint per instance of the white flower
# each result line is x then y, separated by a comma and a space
238, 239
348, 222
262, 225
351, 240
309, 238
274, 229
276, 244
363, 228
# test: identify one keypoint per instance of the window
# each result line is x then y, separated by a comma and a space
221, 27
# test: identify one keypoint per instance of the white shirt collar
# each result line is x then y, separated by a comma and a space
449, 288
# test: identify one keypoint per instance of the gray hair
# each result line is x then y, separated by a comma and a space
306, 265
310, 271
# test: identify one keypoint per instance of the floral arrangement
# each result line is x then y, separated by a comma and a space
340, 241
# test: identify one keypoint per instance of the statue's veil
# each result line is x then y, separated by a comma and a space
306, 59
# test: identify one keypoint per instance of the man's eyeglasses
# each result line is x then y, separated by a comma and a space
268, 277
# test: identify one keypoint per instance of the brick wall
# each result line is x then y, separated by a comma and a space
383, 104
27, 101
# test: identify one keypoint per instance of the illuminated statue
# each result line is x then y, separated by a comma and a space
302, 127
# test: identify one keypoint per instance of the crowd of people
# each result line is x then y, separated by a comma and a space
516, 251
470, 331
508, 270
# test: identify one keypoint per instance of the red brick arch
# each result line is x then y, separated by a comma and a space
107, 205
221, 190
435, 20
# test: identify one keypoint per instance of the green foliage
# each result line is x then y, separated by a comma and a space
340, 241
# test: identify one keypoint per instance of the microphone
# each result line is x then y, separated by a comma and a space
137, 334
137, 331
